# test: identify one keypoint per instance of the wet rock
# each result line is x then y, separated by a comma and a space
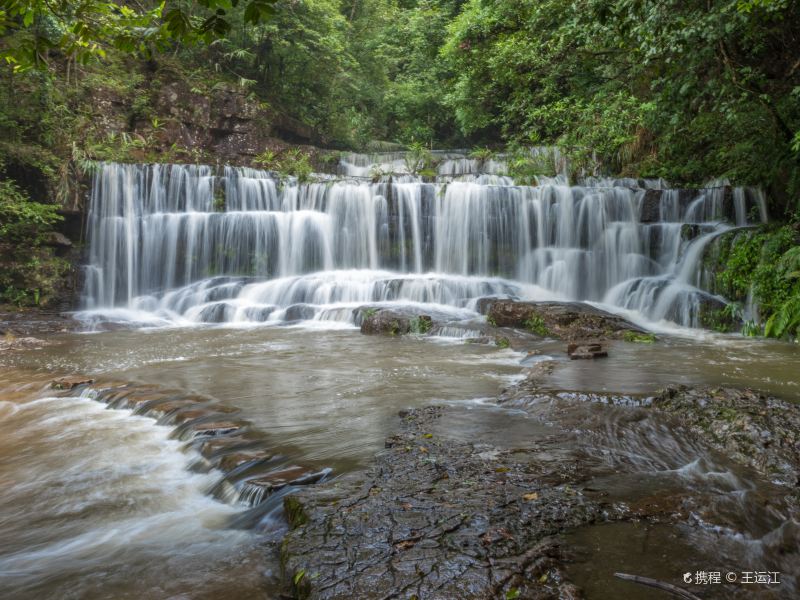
394, 322
202, 428
70, 382
200, 411
299, 312
755, 429
650, 209
434, 518
11, 342
161, 408
292, 475
561, 320
29, 323
586, 350
234, 460
712, 313
482, 305
214, 447
56, 239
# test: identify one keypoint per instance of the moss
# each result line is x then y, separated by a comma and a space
535, 324
502, 342
421, 324
638, 338
295, 513
394, 327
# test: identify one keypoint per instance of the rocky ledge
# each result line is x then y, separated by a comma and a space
562, 320
437, 518
755, 429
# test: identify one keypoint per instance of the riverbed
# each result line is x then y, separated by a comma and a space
100, 503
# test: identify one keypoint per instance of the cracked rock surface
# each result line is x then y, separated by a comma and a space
437, 517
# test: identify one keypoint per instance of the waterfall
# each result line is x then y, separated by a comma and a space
197, 244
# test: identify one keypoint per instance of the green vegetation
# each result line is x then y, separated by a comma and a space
681, 90
638, 338
764, 265
502, 342
290, 162
421, 324
29, 271
535, 324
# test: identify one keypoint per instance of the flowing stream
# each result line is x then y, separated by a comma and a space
236, 285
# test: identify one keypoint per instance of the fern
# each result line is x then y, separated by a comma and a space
785, 321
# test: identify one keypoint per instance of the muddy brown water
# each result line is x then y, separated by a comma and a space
96, 503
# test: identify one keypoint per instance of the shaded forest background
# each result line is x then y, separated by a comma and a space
687, 90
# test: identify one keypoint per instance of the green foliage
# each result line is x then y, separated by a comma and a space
681, 90
751, 267
638, 338
502, 342
785, 321
292, 162
536, 324
766, 265
526, 168
29, 272
86, 30
419, 160
23, 221
420, 324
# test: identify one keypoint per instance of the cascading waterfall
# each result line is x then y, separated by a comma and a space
194, 244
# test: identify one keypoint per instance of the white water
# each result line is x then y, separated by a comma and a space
183, 244
126, 519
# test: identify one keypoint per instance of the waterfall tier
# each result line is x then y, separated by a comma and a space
189, 243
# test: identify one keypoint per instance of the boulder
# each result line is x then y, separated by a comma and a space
561, 320
299, 312
387, 321
70, 382
586, 350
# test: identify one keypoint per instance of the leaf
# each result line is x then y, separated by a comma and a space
530, 497
512, 594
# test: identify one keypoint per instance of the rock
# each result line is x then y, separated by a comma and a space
293, 475
560, 320
213, 447
712, 314
299, 312
482, 305
434, 518
386, 321
197, 429
586, 350
164, 407
233, 460
10, 342
650, 208
755, 429
56, 239
70, 382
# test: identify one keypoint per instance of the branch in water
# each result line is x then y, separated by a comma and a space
654, 583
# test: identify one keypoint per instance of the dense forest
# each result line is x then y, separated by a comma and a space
688, 91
